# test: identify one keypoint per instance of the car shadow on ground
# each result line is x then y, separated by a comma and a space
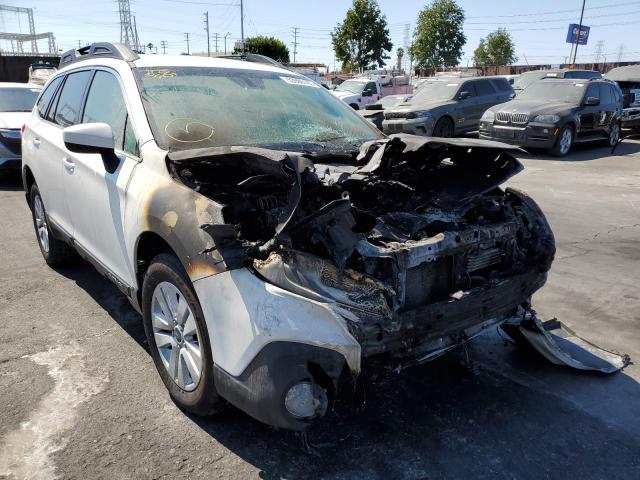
583, 152
10, 181
439, 420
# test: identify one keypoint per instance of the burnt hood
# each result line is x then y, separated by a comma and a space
268, 197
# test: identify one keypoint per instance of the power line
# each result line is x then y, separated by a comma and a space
163, 45
186, 37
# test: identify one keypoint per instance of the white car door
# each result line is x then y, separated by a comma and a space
42, 145
96, 186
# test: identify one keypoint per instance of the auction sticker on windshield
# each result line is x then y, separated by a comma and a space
300, 81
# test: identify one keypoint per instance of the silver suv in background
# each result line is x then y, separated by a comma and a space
447, 107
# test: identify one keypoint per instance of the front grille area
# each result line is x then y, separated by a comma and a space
428, 282
503, 117
390, 115
519, 118
516, 118
482, 259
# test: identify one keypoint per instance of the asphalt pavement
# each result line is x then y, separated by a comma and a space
80, 397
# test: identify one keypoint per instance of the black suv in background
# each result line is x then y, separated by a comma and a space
527, 78
447, 107
555, 113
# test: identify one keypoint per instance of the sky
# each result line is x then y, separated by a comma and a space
538, 28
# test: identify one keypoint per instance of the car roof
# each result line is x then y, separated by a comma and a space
29, 86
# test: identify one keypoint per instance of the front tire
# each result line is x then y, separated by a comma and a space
55, 252
444, 128
564, 143
178, 337
614, 134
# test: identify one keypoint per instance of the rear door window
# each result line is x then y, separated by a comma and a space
484, 87
46, 96
606, 94
500, 84
67, 110
592, 91
371, 86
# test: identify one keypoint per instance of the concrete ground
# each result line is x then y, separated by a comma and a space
80, 397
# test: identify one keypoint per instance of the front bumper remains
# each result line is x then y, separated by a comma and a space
533, 135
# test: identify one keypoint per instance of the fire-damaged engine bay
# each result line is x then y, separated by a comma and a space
412, 238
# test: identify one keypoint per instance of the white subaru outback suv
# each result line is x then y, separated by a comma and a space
273, 241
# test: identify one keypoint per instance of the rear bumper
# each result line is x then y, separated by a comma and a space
414, 126
532, 136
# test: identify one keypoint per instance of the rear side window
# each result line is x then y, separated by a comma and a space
592, 91
46, 96
606, 94
484, 87
70, 101
106, 104
500, 84
469, 87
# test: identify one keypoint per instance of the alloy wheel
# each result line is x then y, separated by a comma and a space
41, 223
614, 134
176, 335
565, 141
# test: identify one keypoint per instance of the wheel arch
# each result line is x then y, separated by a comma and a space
27, 182
148, 245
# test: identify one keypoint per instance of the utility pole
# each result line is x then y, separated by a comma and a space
575, 52
186, 38
215, 39
79, 45
135, 36
620, 52
295, 43
206, 29
598, 54
163, 45
242, 24
225, 42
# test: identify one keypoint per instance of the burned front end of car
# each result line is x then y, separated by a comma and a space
412, 242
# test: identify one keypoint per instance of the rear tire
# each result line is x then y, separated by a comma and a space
444, 128
614, 134
55, 252
564, 142
166, 286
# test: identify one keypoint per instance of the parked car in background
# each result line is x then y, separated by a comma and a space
553, 114
374, 112
447, 107
40, 72
527, 78
358, 92
628, 79
16, 102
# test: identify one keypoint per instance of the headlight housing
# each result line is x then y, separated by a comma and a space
547, 119
318, 279
419, 114
488, 116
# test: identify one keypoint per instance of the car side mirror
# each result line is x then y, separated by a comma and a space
464, 95
592, 101
512, 95
367, 93
89, 138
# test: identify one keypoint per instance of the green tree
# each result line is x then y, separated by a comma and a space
268, 46
438, 38
498, 49
363, 38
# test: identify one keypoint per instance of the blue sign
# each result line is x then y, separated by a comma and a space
573, 33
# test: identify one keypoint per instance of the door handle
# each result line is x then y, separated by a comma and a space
69, 166
36, 142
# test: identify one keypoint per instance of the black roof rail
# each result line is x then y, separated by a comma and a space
254, 57
98, 50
